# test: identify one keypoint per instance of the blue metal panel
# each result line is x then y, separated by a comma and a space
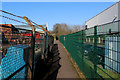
112, 54
0, 72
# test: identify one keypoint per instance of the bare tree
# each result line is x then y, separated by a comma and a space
77, 28
61, 29
64, 29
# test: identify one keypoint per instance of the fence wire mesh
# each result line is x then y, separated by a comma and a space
20, 49
96, 50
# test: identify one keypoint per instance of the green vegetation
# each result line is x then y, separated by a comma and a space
103, 74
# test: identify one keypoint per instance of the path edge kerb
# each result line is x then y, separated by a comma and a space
79, 72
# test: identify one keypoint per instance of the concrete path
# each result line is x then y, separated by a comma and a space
66, 70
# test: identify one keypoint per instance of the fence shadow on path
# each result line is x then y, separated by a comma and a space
48, 70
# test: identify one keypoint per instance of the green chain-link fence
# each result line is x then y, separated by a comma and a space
96, 51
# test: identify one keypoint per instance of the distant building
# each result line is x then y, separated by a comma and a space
8, 32
27, 27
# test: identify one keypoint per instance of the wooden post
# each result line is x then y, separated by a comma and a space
32, 43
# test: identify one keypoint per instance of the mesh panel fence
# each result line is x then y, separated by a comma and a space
17, 58
96, 50
22, 45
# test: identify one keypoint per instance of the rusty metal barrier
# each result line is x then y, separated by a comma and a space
21, 47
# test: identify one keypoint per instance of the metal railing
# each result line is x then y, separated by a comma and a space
96, 50
21, 47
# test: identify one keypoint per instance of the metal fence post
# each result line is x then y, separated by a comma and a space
45, 54
64, 41
95, 51
82, 48
32, 43
43, 47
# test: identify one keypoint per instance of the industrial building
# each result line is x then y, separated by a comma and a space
110, 14
108, 31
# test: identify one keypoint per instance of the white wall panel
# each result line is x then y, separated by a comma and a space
104, 17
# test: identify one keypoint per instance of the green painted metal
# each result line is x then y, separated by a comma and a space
87, 48
95, 50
